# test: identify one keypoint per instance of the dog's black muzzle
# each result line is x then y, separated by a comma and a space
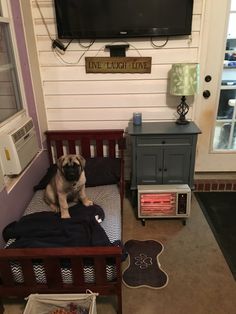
72, 172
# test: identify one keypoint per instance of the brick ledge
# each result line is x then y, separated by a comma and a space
214, 185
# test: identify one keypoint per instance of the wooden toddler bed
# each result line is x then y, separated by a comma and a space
39, 270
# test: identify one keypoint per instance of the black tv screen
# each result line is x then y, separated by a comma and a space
92, 19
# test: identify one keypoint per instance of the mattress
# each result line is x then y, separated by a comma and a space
107, 197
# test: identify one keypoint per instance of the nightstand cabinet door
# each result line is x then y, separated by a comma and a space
149, 165
176, 165
158, 165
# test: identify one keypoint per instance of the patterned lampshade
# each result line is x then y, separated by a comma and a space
184, 79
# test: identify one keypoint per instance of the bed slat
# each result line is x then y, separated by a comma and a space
53, 272
99, 148
85, 148
59, 148
112, 148
71, 146
6, 274
28, 272
77, 270
100, 270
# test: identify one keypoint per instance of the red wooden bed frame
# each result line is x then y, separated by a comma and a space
114, 139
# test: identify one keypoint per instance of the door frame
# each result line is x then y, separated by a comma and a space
213, 36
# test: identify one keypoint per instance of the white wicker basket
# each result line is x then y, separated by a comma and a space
60, 303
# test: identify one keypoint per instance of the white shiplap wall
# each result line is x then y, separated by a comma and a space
76, 100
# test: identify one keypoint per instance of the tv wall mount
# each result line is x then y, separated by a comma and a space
117, 50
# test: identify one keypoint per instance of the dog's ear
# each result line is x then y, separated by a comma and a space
60, 162
81, 160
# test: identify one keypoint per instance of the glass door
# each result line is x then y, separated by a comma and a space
225, 127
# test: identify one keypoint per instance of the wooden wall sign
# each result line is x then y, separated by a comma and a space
118, 64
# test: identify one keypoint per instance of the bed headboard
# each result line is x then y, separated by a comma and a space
88, 143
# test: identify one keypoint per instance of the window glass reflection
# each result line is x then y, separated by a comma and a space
225, 130
233, 5
10, 99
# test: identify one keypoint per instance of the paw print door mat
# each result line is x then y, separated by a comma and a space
144, 269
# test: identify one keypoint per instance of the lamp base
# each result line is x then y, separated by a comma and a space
181, 121
182, 110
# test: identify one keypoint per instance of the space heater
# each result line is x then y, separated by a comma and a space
163, 201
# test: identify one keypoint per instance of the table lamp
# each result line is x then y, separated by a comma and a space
184, 79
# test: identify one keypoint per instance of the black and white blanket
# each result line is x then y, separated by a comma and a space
47, 229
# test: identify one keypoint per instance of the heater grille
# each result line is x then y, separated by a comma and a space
158, 203
163, 201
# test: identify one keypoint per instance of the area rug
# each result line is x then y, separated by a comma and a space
219, 209
144, 269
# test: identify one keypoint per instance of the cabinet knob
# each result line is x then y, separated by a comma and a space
163, 142
165, 169
160, 169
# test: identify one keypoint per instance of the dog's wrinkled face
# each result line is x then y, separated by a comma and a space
71, 166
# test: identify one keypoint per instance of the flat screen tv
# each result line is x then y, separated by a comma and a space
93, 19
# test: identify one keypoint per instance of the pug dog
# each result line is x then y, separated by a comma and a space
67, 185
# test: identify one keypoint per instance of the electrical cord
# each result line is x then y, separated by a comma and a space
56, 43
88, 46
41, 14
58, 47
58, 55
159, 46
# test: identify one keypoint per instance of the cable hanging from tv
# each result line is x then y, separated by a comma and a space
87, 46
159, 46
58, 47
56, 43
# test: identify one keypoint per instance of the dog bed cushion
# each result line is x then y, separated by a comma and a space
108, 198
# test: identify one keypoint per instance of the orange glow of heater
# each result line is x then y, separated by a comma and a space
158, 204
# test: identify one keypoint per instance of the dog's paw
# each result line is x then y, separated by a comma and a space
87, 202
65, 215
55, 208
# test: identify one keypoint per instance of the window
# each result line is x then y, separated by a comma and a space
225, 129
10, 92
